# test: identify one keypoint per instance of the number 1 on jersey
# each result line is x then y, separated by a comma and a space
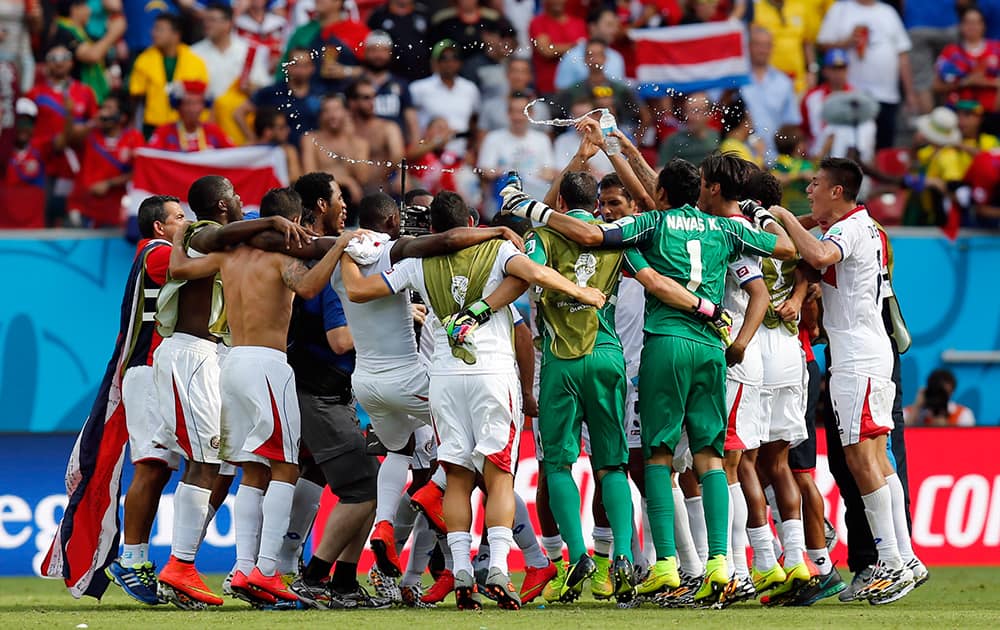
694, 252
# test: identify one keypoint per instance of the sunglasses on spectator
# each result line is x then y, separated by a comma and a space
58, 57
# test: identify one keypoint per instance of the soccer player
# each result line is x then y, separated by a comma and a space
475, 393
852, 261
160, 217
799, 505
190, 317
724, 177
388, 380
682, 371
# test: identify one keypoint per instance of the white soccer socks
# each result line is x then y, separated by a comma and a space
190, 513
878, 510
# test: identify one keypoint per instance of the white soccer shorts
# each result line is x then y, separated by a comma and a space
744, 427
424, 448
260, 409
143, 419
862, 406
477, 417
186, 378
397, 401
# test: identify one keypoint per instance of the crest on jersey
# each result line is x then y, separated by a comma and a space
585, 267
459, 286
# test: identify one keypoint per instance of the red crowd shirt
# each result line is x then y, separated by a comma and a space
22, 200
208, 136
567, 30
52, 117
984, 176
105, 158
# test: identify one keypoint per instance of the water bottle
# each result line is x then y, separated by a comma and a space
608, 126
513, 179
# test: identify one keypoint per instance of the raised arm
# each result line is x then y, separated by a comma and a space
216, 239
621, 163
183, 267
449, 242
361, 288
309, 282
578, 162
523, 268
519, 204
818, 253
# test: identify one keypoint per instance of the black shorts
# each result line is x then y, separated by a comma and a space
331, 432
802, 458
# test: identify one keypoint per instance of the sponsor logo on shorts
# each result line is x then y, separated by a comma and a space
215, 442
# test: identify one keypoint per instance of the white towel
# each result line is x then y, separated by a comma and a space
367, 248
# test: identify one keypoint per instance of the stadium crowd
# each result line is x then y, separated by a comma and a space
86, 82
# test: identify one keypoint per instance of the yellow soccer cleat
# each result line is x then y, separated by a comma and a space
766, 580
600, 585
662, 576
553, 589
714, 583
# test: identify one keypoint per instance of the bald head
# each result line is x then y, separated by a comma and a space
761, 43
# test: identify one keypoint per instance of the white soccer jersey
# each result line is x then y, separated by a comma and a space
629, 319
735, 300
382, 329
852, 298
491, 343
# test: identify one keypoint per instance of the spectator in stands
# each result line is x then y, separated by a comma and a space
793, 169
447, 95
553, 33
983, 177
65, 107
407, 22
296, 96
271, 128
834, 140
879, 47
736, 138
970, 69
392, 93
970, 122
167, 62
566, 144
934, 406
435, 165
955, 139
701, 11
336, 149
22, 197
519, 147
329, 35
71, 32
794, 25
602, 24
107, 159
385, 138
236, 68
517, 77
485, 67
931, 26
653, 13
189, 133
770, 96
463, 23
631, 116
261, 25
697, 140
19, 21
520, 13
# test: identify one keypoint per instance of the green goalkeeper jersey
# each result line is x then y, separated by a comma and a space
694, 249
569, 329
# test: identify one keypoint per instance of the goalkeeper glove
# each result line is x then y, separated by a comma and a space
718, 318
761, 216
462, 324
521, 205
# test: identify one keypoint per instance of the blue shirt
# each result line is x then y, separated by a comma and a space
929, 14
771, 103
302, 113
572, 68
328, 304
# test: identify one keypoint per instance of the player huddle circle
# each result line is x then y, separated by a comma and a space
673, 313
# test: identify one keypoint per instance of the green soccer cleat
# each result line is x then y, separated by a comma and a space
714, 583
553, 589
828, 585
662, 576
600, 584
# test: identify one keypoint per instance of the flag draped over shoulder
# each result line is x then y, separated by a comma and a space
87, 538
252, 170
690, 58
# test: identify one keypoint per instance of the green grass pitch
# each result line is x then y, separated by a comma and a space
953, 598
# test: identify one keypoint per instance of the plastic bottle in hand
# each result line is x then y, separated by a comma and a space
513, 179
608, 126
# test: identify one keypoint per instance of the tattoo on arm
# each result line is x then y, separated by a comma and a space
293, 273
